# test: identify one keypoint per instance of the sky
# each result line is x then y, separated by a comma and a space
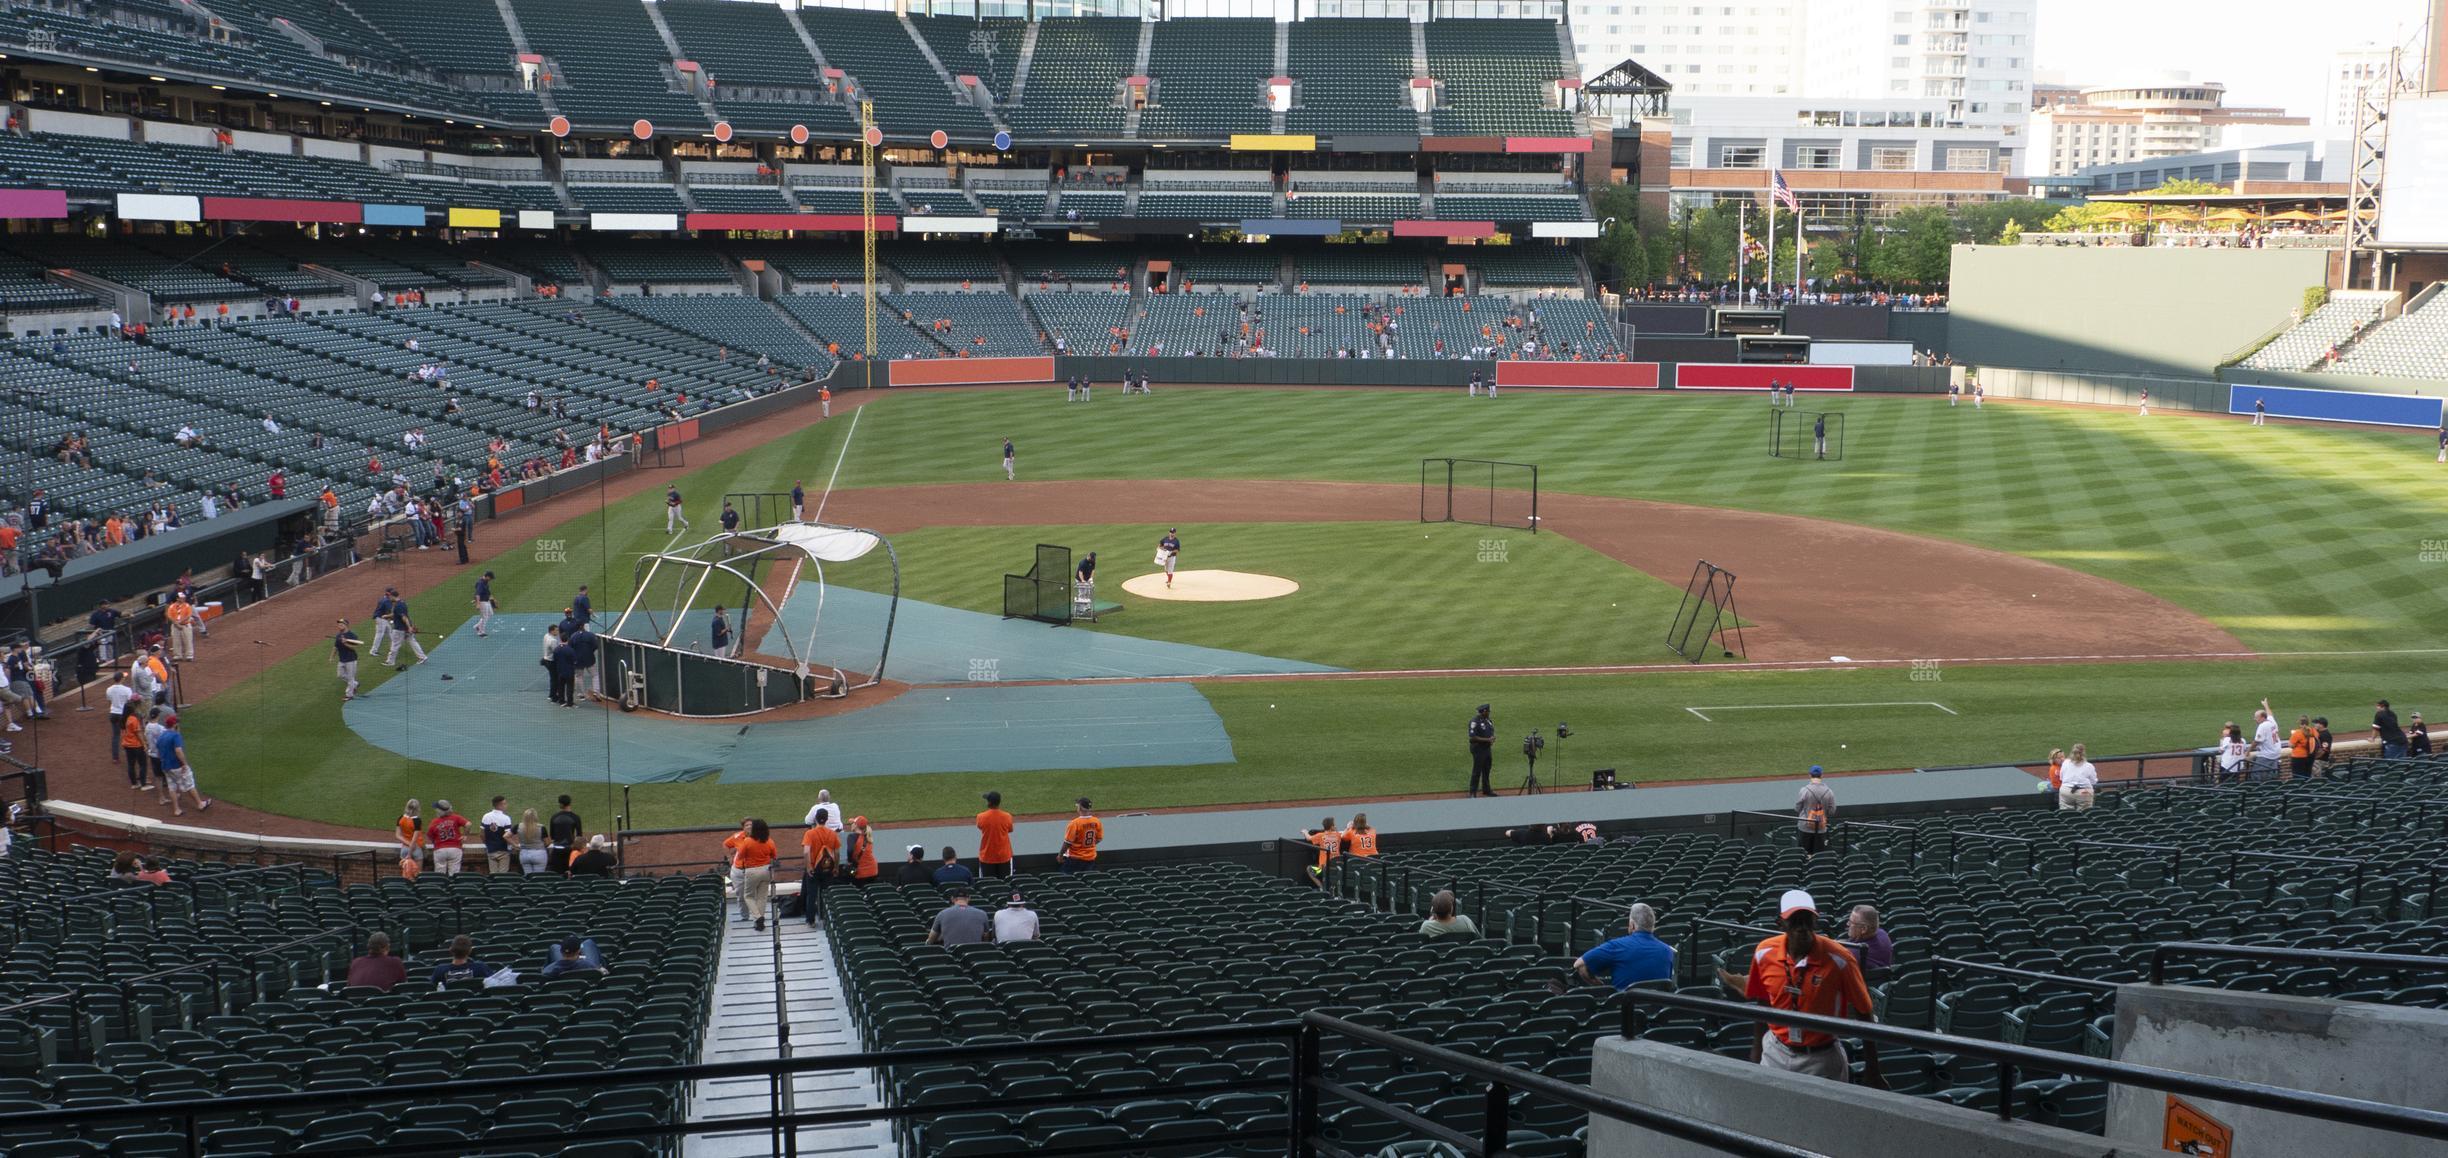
2265, 52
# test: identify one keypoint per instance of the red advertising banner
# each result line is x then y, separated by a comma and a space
676, 434
1444, 229
33, 203
971, 371
273, 209
1548, 144
1577, 375
1757, 376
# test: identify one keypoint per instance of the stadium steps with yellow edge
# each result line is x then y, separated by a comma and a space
790, 957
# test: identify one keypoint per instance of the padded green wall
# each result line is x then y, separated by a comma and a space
2121, 310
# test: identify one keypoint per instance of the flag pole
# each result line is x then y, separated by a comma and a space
1742, 244
1772, 243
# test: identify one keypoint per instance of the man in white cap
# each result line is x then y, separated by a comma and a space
1803, 972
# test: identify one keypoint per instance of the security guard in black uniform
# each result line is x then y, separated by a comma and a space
1482, 752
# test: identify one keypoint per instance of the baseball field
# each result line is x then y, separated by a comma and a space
1965, 586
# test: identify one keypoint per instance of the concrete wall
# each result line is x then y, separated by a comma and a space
1843, 1121
2105, 389
2118, 310
2384, 1053
1926, 329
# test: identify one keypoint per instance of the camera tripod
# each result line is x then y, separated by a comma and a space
1530, 781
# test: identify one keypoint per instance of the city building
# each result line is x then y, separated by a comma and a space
1844, 160
2349, 71
1752, 49
1976, 55
2169, 116
2299, 168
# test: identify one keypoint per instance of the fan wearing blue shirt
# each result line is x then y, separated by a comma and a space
952, 871
1635, 957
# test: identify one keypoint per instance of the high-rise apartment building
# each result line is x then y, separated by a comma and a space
1973, 55
1747, 48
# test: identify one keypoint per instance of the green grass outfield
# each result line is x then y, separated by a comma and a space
2322, 546
1373, 595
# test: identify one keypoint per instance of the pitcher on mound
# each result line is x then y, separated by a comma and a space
1168, 550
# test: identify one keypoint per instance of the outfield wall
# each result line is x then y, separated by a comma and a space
2414, 410
2105, 389
2116, 310
2346, 383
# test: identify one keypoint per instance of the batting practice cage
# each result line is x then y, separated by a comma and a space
1044, 593
1794, 434
773, 589
1705, 614
1478, 490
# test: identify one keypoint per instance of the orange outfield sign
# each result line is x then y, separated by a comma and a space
2190, 1131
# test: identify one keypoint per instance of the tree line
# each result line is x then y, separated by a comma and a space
1908, 251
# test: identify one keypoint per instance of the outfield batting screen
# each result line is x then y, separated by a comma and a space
1478, 490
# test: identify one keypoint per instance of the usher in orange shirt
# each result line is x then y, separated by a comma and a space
994, 836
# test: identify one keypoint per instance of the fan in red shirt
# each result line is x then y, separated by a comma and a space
446, 834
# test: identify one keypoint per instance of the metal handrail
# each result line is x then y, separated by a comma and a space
1310, 1082
2431, 1124
2407, 961
1938, 965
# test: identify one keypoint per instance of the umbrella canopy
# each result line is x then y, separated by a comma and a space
2230, 215
2300, 215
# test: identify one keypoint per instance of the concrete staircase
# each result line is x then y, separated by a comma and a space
808, 1018
697, 90
518, 40
1283, 67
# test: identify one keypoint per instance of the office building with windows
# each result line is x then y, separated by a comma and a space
1843, 159
2170, 116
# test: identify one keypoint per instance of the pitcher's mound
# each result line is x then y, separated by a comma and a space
1210, 586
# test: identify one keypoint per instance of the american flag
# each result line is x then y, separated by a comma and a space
1782, 193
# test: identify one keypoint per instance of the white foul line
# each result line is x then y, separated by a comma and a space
1872, 704
838, 458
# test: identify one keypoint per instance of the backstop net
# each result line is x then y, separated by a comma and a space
1478, 490
1706, 617
1806, 434
1044, 591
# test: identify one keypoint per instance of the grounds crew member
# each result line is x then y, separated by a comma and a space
1800, 971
